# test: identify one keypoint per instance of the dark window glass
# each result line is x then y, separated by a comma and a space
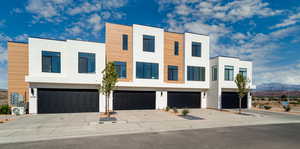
172, 73
148, 43
86, 62
176, 47
120, 68
146, 70
125, 41
50, 61
196, 49
214, 73
229, 73
196, 73
243, 72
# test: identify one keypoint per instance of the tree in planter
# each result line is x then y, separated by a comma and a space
109, 80
242, 84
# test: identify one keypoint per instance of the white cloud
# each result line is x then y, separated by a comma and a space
21, 38
3, 78
291, 20
47, 10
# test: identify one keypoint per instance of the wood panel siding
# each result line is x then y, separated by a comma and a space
17, 69
170, 58
114, 49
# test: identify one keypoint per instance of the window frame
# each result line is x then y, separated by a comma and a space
148, 40
91, 63
176, 48
124, 42
230, 69
194, 73
243, 72
142, 73
194, 51
172, 73
214, 71
123, 70
52, 55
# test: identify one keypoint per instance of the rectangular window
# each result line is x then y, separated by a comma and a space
214, 73
172, 72
120, 68
125, 41
243, 72
146, 70
148, 43
195, 73
86, 62
196, 49
50, 61
229, 71
176, 48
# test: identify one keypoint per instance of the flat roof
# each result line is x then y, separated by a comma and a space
229, 57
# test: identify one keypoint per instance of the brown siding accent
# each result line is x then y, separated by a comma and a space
114, 50
170, 58
17, 69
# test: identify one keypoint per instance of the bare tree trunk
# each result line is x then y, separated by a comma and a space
240, 109
106, 104
108, 113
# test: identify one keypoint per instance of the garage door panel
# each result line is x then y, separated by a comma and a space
184, 99
230, 100
133, 100
67, 101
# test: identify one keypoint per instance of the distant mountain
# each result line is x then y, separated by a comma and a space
277, 87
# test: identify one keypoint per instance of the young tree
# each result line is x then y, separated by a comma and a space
109, 80
243, 88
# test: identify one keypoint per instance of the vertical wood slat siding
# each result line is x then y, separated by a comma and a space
170, 58
114, 49
17, 69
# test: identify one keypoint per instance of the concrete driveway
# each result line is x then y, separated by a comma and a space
58, 126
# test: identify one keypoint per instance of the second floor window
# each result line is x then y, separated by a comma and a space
125, 42
195, 73
176, 48
229, 71
86, 62
146, 70
196, 49
120, 68
214, 70
243, 72
50, 61
148, 43
172, 72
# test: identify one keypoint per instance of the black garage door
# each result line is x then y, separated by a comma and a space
230, 100
67, 101
184, 99
133, 100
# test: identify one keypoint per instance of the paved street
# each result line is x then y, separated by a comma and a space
61, 126
244, 137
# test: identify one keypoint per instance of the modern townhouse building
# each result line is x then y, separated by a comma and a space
156, 69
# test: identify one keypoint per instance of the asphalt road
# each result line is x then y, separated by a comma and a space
246, 137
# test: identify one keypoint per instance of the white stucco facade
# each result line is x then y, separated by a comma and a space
221, 85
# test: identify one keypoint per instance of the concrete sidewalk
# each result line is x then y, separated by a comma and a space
57, 126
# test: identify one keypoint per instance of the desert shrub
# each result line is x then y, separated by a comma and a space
175, 110
167, 108
267, 107
185, 112
287, 108
254, 104
5, 109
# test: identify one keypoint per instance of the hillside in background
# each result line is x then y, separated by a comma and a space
276, 90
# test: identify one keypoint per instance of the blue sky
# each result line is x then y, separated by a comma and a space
264, 31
